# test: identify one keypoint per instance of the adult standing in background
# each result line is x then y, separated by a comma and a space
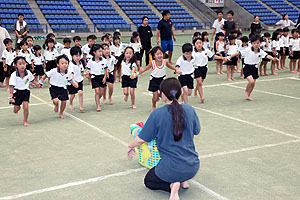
217, 27
146, 35
3, 34
166, 32
21, 29
285, 22
229, 24
298, 23
255, 28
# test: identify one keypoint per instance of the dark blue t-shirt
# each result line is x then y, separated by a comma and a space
165, 28
179, 160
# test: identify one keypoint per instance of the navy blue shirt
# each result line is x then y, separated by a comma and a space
179, 160
165, 28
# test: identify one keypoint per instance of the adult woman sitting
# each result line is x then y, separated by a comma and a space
174, 126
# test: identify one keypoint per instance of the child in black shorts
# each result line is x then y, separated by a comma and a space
8, 57
294, 50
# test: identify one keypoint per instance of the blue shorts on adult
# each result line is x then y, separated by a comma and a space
167, 45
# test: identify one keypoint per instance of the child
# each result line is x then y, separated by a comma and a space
267, 47
232, 49
111, 62
284, 48
205, 40
127, 61
116, 50
39, 62
245, 45
19, 92
91, 40
294, 50
197, 34
50, 54
66, 49
57, 45
77, 41
105, 39
27, 54
158, 74
136, 45
252, 58
275, 49
76, 68
201, 56
97, 69
186, 65
60, 77
29, 40
220, 51
239, 43
110, 38
8, 57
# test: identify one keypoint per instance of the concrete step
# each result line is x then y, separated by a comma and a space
84, 16
123, 14
39, 15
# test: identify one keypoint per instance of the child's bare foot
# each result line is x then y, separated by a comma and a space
276, 69
299, 75
1, 85
233, 79
133, 107
242, 77
185, 185
71, 107
82, 109
126, 98
238, 71
229, 79
249, 99
55, 108
98, 109
202, 100
26, 124
261, 74
7, 90
104, 101
111, 102
221, 72
174, 191
62, 116
293, 71
116, 81
275, 74
266, 74
218, 73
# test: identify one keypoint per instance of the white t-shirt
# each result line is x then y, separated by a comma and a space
285, 41
252, 58
126, 68
238, 43
267, 48
217, 25
294, 43
21, 83
206, 45
116, 50
9, 56
136, 46
86, 49
111, 62
50, 55
158, 71
66, 52
59, 46
221, 46
276, 44
76, 70
38, 60
58, 79
232, 49
97, 68
185, 66
28, 56
201, 58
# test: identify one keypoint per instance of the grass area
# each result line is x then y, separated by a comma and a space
248, 150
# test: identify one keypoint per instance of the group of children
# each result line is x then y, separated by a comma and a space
67, 67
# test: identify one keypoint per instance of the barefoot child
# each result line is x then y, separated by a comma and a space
50, 54
158, 74
19, 92
136, 45
97, 70
294, 50
186, 65
67, 48
201, 56
27, 55
8, 57
116, 50
275, 49
220, 51
232, 48
267, 47
245, 45
205, 40
252, 59
284, 49
127, 61
76, 68
60, 77
39, 62
111, 62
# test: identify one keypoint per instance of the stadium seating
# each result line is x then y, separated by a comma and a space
9, 10
62, 15
136, 9
258, 9
104, 15
295, 2
179, 16
283, 7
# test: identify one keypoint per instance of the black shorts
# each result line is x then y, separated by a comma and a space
200, 72
250, 70
128, 82
222, 53
97, 81
186, 80
296, 55
10, 70
39, 70
50, 65
287, 51
232, 62
138, 55
73, 90
154, 84
267, 59
20, 96
111, 78
58, 92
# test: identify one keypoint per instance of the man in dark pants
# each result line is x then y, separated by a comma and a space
3, 34
146, 38
230, 24
166, 31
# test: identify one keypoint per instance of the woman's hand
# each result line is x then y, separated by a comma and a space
130, 152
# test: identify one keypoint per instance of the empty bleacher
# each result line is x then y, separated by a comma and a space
103, 15
9, 10
295, 2
136, 9
179, 16
62, 15
258, 9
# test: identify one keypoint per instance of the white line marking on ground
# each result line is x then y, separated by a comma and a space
209, 191
295, 78
30, 104
247, 122
72, 184
265, 92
